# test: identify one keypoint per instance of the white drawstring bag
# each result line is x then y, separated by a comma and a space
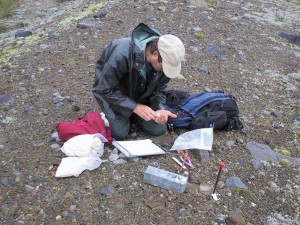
84, 145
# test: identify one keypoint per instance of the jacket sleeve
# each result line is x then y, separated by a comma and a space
158, 98
110, 68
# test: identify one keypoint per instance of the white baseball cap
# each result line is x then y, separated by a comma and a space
172, 51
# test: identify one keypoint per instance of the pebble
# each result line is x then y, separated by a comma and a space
119, 162
235, 218
5, 182
193, 178
55, 136
203, 69
230, 144
73, 208
58, 217
184, 212
75, 108
29, 188
106, 191
55, 147
239, 141
113, 157
155, 204
273, 187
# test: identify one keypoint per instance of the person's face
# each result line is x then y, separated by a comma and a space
155, 63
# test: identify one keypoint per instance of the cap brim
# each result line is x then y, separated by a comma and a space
171, 71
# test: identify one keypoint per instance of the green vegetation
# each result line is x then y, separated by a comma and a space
210, 3
284, 162
3, 28
282, 151
296, 2
7, 7
285, 152
94, 8
200, 36
241, 191
279, 19
288, 193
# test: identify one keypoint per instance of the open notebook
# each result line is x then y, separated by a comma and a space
137, 148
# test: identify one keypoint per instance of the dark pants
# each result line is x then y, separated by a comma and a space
121, 125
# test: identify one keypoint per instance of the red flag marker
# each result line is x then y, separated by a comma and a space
220, 169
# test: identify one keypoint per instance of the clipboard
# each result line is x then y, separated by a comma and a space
137, 148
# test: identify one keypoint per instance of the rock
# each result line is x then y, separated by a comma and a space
58, 217
264, 152
276, 113
239, 141
52, 34
113, 157
23, 33
162, 8
73, 208
4, 99
101, 13
234, 182
278, 219
88, 23
201, 155
55, 147
155, 204
29, 188
193, 178
184, 212
106, 191
295, 39
55, 136
198, 3
5, 182
211, 49
235, 218
119, 162
75, 108
44, 46
273, 187
203, 69
256, 163
230, 144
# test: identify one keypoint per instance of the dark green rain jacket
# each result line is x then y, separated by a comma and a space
120, 82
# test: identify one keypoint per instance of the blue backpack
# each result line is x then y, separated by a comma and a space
203, 110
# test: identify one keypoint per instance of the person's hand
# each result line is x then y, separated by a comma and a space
145, 112
162, 116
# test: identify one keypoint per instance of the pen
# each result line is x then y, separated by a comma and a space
160, 146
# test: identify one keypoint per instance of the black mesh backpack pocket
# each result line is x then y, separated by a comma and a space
216, 119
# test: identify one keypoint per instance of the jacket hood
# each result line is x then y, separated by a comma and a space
143, 34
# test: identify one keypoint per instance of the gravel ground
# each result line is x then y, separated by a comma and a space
249, 60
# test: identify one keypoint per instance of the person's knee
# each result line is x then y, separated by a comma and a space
120, 127
156, 130
119, 135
